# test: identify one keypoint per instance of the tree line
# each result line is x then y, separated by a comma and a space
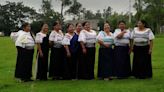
13, 14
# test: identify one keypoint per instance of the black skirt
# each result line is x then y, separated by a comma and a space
42, 62
142, 67
72, 66
58, 64
122, 61
105, 63
24, 63
87, 64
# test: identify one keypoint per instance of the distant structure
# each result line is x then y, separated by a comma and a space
94, 23
162, 29
2, 34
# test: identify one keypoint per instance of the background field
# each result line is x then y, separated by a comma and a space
8, 84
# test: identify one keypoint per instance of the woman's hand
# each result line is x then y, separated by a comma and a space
84, 51
107, 45
41, 54
150, 51
68, 54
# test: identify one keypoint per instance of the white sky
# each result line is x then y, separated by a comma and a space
120, 6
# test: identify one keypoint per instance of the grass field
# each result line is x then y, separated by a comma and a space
8, 84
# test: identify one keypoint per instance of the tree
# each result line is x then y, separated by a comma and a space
64, 3
98, 15
75, 9
107, 12
14, 14
47, 15
138, 5
152, 11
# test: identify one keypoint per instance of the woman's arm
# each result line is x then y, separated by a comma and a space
39, 50
151, 46
119, 36
83, 47
67, 50
102, 43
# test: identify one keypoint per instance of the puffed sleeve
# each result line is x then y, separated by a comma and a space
132, 34
116, 32
82, 37
66, 40
14, 36
151, 35
38, 38
52, 36
100, 36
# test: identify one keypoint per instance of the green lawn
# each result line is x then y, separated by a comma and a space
8, 84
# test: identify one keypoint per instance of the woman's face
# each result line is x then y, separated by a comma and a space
106, 27
87, 26
79, 27
71, 28
122, 26
27, 28
45, 28
57, 27
140, 24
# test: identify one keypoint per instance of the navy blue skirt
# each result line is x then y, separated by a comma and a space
142, 67
105, 63
122, 61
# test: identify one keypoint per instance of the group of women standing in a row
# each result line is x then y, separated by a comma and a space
73, 54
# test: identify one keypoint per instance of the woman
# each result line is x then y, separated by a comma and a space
71, 45
79, 53
56, 67
122, 51
142, 37
105, 39
43, 51
87, 39
25, 49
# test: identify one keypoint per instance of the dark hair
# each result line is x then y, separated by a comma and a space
106, 22
121, 21
144, 22
25, 25
77, 23
67, 26
83, 24
55, 23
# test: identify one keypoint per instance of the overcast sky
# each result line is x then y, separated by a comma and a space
93, 5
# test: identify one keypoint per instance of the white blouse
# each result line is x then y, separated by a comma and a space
142, 37
125, 40
107, 39
39, 37
89, 38
25, 40
14, 35
67, 39
56, 38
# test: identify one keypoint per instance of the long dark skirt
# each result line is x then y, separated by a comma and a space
122, 61
105, 63
87, 64
73, 65
81, 64
42, 66
58, 65
142, 67
24, 63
